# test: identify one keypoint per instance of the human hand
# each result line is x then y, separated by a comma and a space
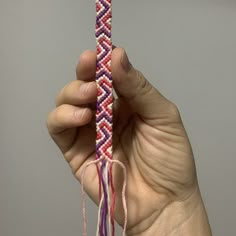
148, 138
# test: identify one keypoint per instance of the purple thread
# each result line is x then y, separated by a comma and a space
105, 205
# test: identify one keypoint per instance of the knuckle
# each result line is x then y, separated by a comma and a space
60, 95
77, 69
141, 78
173, 110
84, 54
53, 119
73, 89
82, 57
58, 98
48, 121
59, 113
144, 86
68, 91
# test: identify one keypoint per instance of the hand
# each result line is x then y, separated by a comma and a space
149, 138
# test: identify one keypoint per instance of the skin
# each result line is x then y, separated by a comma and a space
149, 139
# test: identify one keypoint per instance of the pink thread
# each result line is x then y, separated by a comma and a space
122, 194
83, 193
99, 214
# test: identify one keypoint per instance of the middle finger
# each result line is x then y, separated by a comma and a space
77, 93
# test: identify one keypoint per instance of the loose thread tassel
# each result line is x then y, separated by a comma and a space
112, 207
100, 231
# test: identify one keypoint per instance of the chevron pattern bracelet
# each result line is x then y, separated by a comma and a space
104, 117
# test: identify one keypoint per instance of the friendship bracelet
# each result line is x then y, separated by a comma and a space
104, 159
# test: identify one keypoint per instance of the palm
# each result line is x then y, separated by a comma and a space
156, 157
159, 161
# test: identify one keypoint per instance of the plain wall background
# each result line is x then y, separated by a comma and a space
187, 49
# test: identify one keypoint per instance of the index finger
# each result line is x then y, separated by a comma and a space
86, 67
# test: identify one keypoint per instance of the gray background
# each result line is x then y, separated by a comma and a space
185, 48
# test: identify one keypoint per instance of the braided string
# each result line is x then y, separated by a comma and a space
104, 163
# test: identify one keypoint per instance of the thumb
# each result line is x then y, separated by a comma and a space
136, 90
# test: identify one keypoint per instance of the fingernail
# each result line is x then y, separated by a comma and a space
125, 62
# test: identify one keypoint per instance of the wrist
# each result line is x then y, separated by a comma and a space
180, 218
